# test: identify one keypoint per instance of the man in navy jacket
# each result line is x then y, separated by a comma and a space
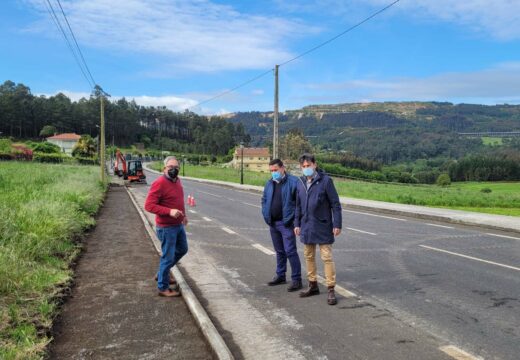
278, 206
317, 221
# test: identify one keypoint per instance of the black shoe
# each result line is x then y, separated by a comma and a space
295, 285
277, 280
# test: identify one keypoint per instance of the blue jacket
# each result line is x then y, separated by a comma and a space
318, 210
289, 183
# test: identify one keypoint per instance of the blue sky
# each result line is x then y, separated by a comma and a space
179, 53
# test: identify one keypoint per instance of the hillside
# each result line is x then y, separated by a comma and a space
394, 131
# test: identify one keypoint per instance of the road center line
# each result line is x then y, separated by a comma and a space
381, 216
228, 230
254, 205
361, 231
504, 236
471, 257
192, 211
457, 353
206, 218
263, 249
441, 226
339, 289
207, 193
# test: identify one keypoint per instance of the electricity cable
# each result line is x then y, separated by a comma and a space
298, 56
57, 22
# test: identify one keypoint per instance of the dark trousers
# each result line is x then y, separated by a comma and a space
284, 243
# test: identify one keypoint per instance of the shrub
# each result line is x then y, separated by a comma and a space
486, 190
443, 180
46, 147
51, 158
6, 156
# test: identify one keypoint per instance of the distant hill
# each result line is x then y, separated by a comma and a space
392, 131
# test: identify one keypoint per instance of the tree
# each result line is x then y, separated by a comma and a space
86, 147
48, 130
294, 144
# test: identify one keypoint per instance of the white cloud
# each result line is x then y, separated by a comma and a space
498, 18
197, 35
499, 84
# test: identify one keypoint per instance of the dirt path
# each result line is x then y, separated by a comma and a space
114, 311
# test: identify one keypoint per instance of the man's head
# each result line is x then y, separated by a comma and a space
171, 167
276, 165
308, 164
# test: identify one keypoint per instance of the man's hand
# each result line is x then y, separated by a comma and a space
336, 231
185, 221
174, 213
297, 231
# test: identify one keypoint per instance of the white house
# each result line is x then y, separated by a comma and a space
65, 141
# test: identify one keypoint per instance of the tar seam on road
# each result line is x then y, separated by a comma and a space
207, 327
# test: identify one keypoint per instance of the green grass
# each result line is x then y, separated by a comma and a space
504, 198
491, 141
44, 208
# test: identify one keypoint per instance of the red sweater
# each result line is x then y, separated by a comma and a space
163, 196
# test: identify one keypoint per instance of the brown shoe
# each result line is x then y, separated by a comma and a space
331, 298
169, 293
312, 290
172, 280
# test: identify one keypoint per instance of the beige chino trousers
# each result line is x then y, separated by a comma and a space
309, 252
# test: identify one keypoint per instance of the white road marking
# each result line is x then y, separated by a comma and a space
471, 257
206, 218
254, 205
228, 230
207, 193
441, 226
504, 236
361, 231
381, 216
339, 289
192, 211
263, 249
457, 353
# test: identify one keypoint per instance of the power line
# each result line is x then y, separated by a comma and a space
298, 56
340, 34
57, 22
74, 37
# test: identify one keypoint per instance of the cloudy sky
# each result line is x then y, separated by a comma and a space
180, 53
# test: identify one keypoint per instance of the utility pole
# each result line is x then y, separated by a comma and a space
102, 140
275, 115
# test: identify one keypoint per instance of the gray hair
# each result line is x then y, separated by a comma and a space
168, 158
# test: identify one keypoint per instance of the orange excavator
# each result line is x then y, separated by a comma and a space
131, 170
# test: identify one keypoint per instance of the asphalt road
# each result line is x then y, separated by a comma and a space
419, 286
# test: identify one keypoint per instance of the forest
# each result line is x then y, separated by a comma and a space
24, 116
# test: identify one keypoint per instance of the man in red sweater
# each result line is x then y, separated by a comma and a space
166, 200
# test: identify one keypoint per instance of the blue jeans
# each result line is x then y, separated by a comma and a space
174, 246
284, 243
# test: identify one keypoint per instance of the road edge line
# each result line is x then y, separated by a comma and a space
213, 337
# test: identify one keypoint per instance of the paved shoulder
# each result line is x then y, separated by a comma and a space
114, 311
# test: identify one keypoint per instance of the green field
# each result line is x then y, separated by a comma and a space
504, 198
45, 208
492, 141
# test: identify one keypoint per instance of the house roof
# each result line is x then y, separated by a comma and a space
253, 151
65, 136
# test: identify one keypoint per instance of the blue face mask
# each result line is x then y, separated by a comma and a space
308, 171
276, 176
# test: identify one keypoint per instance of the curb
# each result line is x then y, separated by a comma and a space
213, 337
460, 217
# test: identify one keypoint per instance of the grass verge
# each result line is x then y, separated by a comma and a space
44, 208
501, 198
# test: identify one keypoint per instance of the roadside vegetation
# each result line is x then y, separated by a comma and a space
45, 208
502, 198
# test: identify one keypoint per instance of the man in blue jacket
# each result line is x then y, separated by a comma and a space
317, 221
278, 206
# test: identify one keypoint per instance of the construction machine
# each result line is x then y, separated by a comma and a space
131, 170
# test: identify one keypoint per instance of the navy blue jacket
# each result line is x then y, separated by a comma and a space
318, 210
289, 183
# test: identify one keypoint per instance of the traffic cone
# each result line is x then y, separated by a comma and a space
193, 201
189, 200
